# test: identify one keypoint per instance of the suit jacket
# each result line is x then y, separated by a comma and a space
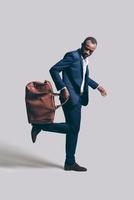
71, 67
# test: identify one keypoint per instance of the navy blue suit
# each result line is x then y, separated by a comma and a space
71, 67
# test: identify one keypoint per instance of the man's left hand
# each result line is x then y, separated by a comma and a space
102, 91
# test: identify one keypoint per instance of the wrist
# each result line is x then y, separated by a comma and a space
98, 88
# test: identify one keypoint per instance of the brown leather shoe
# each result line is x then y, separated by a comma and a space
75, 167
34, 132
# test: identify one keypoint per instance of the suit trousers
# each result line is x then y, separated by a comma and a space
70, 127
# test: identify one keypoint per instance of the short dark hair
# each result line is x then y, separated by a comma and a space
93, 40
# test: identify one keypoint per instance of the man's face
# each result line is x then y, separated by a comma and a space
88, 48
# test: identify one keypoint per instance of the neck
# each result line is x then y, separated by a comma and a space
81, 53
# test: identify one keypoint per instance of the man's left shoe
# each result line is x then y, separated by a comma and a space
34, 132
75, 167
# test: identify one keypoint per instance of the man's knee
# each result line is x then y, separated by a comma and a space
74, 128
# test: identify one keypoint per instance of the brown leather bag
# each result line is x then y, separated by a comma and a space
40, 102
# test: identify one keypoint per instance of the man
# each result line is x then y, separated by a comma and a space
73, 86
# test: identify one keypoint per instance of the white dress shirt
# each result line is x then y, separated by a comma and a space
85, 63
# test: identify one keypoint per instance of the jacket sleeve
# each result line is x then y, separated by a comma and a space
58, 67
92, 83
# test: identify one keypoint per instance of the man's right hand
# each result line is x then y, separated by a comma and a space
64, 94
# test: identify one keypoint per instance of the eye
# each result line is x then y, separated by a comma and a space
88, 50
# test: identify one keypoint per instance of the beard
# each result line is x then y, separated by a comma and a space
86, 55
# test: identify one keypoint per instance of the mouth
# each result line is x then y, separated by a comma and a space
86, 55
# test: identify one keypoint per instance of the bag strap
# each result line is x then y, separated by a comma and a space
57, 94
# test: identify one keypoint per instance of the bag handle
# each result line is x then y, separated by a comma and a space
57, 94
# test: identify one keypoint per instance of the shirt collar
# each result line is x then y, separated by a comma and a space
86, 59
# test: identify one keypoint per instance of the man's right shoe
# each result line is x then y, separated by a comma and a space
34, 132
74, 167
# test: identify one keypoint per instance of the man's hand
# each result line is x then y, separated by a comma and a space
64, 94
102, 91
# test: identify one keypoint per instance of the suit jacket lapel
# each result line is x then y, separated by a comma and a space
81, 62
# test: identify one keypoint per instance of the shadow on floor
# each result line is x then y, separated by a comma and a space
15, 157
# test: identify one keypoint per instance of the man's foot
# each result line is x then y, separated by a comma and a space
74, 167
34, 132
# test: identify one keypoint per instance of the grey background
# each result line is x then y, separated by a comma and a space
34, 35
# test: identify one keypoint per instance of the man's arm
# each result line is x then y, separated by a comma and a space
97, 86
58, 67
92, 83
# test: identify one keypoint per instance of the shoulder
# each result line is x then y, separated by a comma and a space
73, 54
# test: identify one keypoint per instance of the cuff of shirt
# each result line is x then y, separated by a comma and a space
62, 88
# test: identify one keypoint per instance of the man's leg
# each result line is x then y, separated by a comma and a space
70, 128
62, 127
73, 119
